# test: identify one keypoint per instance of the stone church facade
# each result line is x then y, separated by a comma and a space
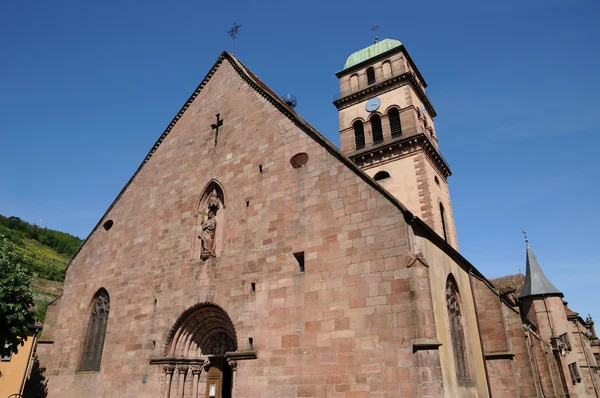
250, 257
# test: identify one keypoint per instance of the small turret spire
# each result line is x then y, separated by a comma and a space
536, 283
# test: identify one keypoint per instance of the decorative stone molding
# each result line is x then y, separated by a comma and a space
402, 148
206, 364
182, 368
169, 368
232, 364
196, 369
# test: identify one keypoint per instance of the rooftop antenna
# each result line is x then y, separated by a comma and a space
233, 33
374, 29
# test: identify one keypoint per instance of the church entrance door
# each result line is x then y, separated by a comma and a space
218, 379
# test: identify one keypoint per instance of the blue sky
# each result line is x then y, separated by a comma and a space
87, 87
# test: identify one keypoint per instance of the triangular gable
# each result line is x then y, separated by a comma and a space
262, 89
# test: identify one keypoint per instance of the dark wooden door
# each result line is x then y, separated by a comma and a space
218, 379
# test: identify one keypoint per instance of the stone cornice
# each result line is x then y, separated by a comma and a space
388, 152
393, 82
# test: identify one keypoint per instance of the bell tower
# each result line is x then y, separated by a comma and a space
386, 128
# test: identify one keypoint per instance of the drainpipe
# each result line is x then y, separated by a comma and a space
549, 320
485, 368
537, 368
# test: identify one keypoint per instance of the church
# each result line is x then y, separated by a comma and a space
249, 257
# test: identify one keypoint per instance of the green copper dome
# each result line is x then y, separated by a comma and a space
372, 51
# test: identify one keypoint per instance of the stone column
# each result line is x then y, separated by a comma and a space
196, 370
182, 370
169, 369
233, 365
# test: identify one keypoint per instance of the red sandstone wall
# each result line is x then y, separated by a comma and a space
505, 347
342, 329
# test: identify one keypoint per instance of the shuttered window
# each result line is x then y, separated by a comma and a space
359, 135
376, 128
370, 76
395, 126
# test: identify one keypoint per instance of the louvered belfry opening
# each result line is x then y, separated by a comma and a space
96, 333
359, 135
395, 126
376, 128
370, 76
457, 333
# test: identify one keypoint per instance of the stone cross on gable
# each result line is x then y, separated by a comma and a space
215, 126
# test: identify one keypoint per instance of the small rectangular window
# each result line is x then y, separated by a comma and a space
566, 342
300, 261
574, 371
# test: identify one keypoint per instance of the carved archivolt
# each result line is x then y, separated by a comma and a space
202, 330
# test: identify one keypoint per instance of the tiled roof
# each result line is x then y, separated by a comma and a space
510, 283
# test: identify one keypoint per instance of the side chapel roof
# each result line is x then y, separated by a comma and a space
536, 283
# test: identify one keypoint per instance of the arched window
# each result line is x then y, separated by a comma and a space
376, 129
359, 134
395, 126
96, 332
354, 82
370, 75
457, 333
443, 217
387, 69
381, 175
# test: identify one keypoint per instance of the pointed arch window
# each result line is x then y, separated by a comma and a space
376, 129
359, 134
96, 332
443, 217
395, 126
370, 75
457, 334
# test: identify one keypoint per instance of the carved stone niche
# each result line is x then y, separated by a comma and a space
209, 223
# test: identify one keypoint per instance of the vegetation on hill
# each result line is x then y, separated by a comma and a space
44, 253
16, 298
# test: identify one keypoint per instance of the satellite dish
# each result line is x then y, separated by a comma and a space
290, 100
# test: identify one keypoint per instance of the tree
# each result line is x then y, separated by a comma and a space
16, 298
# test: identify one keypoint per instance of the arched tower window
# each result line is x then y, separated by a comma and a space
370, 75
96, 332
354, 82
387, 69
443, 217
395, 126
359, 134
376, 128
457, 333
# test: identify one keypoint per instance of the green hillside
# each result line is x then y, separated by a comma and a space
45, 253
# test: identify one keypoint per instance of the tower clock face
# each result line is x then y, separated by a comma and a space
373, 104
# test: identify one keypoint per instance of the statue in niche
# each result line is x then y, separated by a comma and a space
208, 236
213, 201
209, 227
